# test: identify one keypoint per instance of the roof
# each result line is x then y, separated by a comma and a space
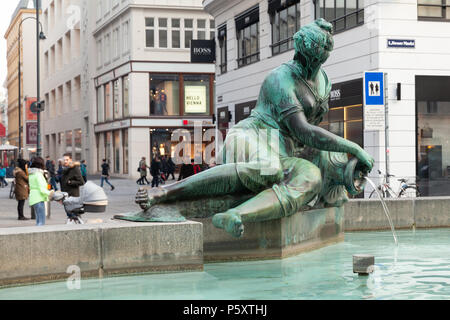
25, 4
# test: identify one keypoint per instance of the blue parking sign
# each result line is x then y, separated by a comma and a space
374, 88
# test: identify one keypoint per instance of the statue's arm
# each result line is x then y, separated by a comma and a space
319, 138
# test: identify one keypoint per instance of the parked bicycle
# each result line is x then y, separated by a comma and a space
405, 190
12, 191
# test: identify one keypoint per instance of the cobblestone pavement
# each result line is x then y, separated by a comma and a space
121, 200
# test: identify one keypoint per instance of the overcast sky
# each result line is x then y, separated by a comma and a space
6, 10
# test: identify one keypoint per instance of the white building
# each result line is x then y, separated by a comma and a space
116, 74
143, 74
66, 78
419, 131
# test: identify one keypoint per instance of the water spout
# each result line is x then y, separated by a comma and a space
386, 210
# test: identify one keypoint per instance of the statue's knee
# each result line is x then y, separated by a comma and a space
315, 179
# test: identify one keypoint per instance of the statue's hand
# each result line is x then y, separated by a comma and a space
365, 159
142, 199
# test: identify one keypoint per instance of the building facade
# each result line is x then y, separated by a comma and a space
3, 118
144, 80
23, 17
408, 40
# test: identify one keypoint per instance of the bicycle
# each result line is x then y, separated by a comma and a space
405, 190
12, 190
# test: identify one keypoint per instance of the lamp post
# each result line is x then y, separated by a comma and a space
40, 37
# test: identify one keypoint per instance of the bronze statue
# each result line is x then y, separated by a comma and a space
299, 167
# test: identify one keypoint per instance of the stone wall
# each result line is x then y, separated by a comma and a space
38, 254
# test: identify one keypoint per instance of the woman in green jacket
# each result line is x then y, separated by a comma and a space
39, 193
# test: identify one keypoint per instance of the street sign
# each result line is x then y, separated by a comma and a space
374, 103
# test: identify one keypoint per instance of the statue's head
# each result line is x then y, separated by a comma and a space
313, 44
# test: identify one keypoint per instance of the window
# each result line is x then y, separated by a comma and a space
343, 14
99, 53
125, 37
201, 29
107, 53
149, 32
285, 21
188, 32
125, 96
196, 94
69, 142
116, 104
247, 27
223, 48
78, 144
116, 41
100, 106
108, 113
212, 27
125, 150
162, 31
164, 95
116, 147
433, 9
176, 41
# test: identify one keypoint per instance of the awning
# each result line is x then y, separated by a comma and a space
5, 147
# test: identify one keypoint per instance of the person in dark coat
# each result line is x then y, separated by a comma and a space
164, 168
155, 171
50, 167
186, 171
22, 188
105, 175
170, 168
71, 179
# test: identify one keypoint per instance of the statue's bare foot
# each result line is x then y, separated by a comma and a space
231, 222
146, 199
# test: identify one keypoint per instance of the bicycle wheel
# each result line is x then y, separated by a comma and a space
374, 194
409, 192
12, 193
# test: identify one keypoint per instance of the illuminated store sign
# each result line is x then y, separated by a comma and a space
195, 99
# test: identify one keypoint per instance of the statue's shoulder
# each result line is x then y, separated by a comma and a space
280, 75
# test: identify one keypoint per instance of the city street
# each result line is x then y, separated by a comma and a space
121, 200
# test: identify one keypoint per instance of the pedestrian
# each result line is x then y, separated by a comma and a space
3, 181
155, 171
50, 167
22, 188
170, 168
186, 171
83, 169
143, 170
71, 179
105, 174
197, 167
59, 171
39, 193
164, 168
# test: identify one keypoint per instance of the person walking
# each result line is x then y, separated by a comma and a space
164, 168
71, 179
170, 168
3, 181
59, 172
105, 174
186, 171
155, 171
22, 188
143, 170
50, 167
39, 193
83, 169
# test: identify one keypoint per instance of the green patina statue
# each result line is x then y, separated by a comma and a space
278, 161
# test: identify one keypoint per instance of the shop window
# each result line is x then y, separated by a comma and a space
343, 14
107, 102
285, 21
247, 32
69, 144
116, 104
223, 49
116, 147
125, 151
100, 106
108, 146
433, 9
126, 96
196, 94
164, 95
346, 122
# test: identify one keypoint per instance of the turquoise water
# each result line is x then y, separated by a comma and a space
419, 268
